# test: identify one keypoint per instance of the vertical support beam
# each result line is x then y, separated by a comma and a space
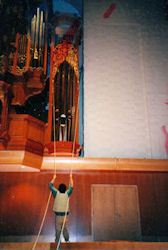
45, 42
77, 103
16, 54
28, 51
50, 111
77, 114
45, 59
63, 108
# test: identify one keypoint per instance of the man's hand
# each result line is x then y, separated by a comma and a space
71, 180
53, 179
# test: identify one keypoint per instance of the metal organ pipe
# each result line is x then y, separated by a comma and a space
33, 25
37, 29
41, 30
38, 37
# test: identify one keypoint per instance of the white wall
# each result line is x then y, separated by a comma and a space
125, 79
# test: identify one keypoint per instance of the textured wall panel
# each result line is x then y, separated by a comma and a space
125, 85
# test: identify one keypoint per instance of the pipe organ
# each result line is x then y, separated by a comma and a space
30, 60
30, 47
65, 98
28, 67
24, 70
22, 51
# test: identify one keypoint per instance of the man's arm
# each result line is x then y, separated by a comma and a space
53, 179
52, 188
70, 189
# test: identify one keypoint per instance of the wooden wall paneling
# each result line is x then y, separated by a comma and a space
22, 202
103, 210
74, 201
82, 204
23, 198
85, 206
115, 212
48, 227
148, 209
160, 187
127, 216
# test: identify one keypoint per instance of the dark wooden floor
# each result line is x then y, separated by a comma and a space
112, 245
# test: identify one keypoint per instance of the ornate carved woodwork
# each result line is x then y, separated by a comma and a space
27, 85
66, 52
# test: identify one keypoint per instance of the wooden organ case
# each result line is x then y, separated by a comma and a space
23, 75
28, 67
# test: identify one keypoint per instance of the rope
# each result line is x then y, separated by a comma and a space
55, 169
49, 198
54, 128
73, 150
42, 223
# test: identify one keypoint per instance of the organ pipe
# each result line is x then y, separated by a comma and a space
33, 25
38, 37
37, 29
41, 30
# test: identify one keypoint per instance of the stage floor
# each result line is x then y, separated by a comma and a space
112, 245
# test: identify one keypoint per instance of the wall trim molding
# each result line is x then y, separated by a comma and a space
111, 164
13, 160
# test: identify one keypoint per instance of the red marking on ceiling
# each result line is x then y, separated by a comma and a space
109, 10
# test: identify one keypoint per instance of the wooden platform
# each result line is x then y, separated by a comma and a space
112, 245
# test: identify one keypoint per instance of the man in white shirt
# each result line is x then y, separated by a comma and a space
61, 207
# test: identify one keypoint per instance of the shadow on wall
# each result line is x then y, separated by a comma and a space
18, 205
